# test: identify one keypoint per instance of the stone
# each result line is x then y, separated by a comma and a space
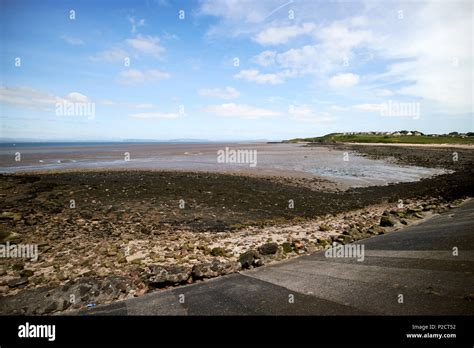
246, 259
26, 273
287, 247
268, 249
324, 228
218, 251
214, 269
8, 215
170, 275
386, 221
13, 283
18, 266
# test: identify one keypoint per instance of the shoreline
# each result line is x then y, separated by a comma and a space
128, 233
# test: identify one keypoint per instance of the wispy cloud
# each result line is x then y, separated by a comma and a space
133, 76
254, 75
240, 111
72, 40
343, 80
34, 99
139, 45
156, 115
281, 35
222, 93
136, 23
304, 113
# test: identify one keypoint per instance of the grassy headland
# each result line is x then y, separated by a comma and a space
387, 139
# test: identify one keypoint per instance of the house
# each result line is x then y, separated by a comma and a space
396, 133
409, 133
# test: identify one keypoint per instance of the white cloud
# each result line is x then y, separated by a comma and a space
75, 97
112, 55
143, 106
281, 35
36, 99
265, 58
226, 93
304, 113
136, 23
72, 40
253, 75
243, 11
133, 76
383, 93
339, 108
304, 59
343, 80
438, 55
127, 105
368, 107
156, 115
148, 45
239, 110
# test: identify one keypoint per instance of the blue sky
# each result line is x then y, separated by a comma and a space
305, 68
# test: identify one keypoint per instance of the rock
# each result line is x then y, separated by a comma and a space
469, 297
13, 283
214, 269
170, 275
324, 228
297, 245
246, 259
8, 215
10, 236
26, 273
429, 207
418, 215
375, 229
268, 249
218, 251
323, 242
31, 220
51, 307
86, 214
18, 266
287, 247
344, 239
386, 221
404, 222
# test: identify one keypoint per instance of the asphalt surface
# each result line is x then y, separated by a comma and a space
417, 262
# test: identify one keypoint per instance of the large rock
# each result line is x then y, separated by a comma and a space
74, 293
386, 221
214, 269
268, 249
168, 275
247, 259
16, 282
8, 215
218, 251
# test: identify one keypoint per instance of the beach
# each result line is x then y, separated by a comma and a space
139, 229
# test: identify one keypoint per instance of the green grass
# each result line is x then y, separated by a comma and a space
388, 139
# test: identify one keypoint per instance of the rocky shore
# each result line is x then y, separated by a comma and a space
105, 236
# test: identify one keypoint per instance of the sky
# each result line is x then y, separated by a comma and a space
233, 69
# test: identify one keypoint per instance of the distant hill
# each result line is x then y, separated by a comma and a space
401, 137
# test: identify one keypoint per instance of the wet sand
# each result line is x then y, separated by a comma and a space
325, 165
